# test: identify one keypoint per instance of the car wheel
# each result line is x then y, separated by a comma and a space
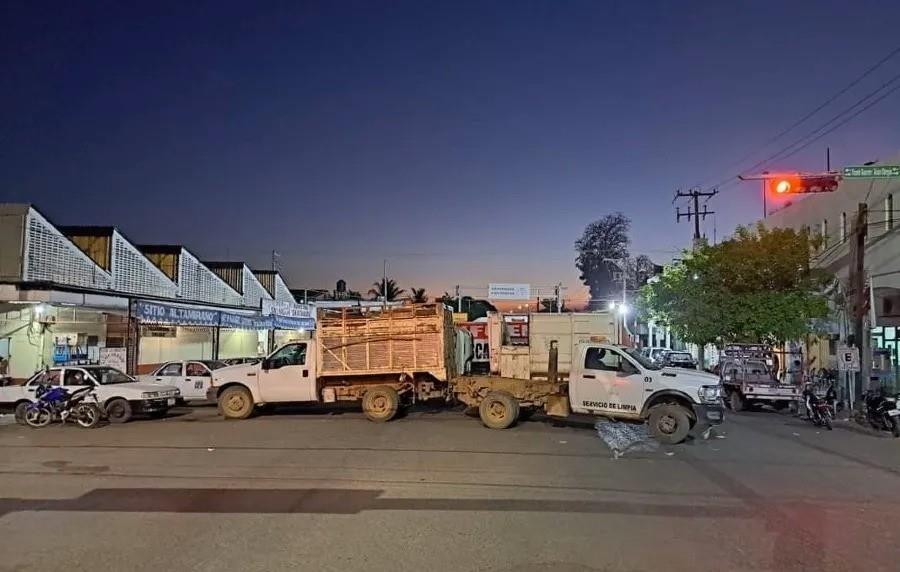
21, 408
380, 404
498, 410
670, 423
236, 403
118, 410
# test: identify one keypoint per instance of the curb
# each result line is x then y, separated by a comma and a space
852, 425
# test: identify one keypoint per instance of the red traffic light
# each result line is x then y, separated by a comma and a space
802, 184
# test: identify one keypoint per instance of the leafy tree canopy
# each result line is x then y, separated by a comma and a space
758, 286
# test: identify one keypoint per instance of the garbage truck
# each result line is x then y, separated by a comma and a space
386, 359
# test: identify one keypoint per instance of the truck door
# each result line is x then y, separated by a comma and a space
608, 383
197, 378
287, 375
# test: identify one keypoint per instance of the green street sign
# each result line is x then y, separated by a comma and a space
871, 172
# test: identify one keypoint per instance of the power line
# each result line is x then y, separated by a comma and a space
853, 83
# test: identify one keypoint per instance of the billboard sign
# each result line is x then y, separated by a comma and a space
509, 291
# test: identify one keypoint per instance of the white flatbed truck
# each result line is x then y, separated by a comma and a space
387, 359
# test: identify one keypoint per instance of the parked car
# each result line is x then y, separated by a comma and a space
679, 359
191, 377
656, 353
241, 361
121, 396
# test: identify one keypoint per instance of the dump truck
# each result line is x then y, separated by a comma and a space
387, 359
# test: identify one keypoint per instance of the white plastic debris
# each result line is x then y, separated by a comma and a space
669, 453
624, 437
563, 442
210, 449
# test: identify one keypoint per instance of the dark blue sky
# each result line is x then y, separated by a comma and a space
465, 142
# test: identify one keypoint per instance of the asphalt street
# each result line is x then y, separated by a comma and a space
437, 491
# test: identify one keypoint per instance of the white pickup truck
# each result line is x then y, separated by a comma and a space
121, 396
604, 380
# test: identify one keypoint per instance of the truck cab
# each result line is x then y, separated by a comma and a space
621, 383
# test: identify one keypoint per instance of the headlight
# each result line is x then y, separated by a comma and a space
709, 393
149, 394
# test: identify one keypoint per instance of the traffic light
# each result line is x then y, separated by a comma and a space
802, 184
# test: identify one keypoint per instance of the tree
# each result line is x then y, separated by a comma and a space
603, 242
758, 286
418, 295
385, 289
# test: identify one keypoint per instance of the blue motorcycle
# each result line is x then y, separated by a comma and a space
58, 403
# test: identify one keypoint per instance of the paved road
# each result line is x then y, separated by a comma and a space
436, 491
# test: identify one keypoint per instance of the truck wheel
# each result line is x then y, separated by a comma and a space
236, 403
380, 403
118, 410
498, 410
736, 401
669, 423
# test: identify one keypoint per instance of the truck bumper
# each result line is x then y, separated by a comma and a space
709, 413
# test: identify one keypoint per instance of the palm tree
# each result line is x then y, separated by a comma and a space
418, 295
385, 289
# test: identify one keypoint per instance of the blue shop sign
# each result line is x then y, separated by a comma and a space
165, 314
288, 323
244, 322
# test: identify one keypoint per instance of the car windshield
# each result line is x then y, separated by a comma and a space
214, 364
637, 356
109, 375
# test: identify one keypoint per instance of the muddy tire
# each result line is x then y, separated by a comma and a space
669, 423
118, 410
498, 410
236, 403
380, 404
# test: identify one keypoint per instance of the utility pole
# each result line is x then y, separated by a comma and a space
693, 212
858, 290
696, 214
384, 285
458, 299
275, 257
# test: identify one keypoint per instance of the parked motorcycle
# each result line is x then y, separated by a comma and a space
819, 410
58, 403
882, 412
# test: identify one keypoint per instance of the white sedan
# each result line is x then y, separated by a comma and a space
191, 377
121, 396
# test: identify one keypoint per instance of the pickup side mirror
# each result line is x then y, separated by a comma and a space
627, 369
266, 365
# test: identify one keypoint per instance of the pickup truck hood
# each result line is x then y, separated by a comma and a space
233, 372
681, 378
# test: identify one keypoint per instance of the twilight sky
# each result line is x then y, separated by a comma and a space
465, 142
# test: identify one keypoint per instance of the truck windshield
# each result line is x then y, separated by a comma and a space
645, 362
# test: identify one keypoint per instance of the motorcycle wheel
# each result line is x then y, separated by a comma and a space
38, 417
87, 415
826, 420
895, 427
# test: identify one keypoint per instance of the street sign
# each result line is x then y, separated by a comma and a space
509, 291
871, 172
848, 359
